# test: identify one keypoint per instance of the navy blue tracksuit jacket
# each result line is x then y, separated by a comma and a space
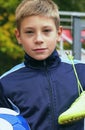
43, 90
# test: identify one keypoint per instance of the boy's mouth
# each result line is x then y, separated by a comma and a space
40, 50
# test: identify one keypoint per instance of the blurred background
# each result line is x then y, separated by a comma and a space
10, 52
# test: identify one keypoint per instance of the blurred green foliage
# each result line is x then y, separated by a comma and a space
10, 52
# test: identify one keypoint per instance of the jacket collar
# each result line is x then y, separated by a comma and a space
52, 60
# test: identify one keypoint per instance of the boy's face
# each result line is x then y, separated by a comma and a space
38, 36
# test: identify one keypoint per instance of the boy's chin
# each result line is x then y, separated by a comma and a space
40, 58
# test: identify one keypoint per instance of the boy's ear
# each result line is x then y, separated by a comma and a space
17, 34
59, 33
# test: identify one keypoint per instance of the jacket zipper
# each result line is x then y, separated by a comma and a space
51, 98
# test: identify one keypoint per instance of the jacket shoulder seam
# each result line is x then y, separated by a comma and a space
15, 68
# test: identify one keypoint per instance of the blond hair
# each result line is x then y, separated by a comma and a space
37, 7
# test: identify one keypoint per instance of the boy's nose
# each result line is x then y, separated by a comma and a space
39, 39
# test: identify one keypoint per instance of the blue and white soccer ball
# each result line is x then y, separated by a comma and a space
11, 120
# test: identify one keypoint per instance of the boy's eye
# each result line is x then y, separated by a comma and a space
47, 30
29, 32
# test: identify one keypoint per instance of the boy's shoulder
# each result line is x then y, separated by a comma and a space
75, 61
15, 68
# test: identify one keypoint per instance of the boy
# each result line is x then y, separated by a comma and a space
43, 86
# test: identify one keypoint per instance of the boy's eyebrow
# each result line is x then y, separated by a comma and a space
26, 28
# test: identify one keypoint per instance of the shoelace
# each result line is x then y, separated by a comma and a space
80, 88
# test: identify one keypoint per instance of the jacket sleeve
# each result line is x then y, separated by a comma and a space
4, 102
